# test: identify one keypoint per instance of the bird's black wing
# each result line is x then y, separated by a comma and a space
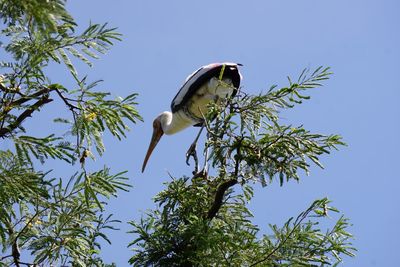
200, 77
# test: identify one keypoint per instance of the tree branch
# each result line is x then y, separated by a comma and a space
5, 257
7, 90
64, 99
27, 113
7, 107
15, 254
26, 98
219, 196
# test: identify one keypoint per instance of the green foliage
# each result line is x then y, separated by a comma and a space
204, 221
67, 230
25, 88
58, 220
58, 223
182, 234
44, 15
42, 148
303, 243
201, 221
248, 135
97, 113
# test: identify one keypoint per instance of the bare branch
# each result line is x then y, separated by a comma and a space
26, 98
219, 196
71, 107
15, 253
27, 113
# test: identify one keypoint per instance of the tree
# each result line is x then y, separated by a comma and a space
204, 220
59, 220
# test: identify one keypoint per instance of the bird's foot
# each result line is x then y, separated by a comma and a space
203, 174
192, 153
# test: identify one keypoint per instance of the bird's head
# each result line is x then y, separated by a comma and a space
157, 134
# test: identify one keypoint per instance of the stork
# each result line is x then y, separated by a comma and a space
208, 83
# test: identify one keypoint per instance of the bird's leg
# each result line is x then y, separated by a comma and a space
205, 167
204, 171
192, 152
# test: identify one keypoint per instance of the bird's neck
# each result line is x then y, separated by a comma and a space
175, 122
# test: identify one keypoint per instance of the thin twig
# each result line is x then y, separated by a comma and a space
5, 257
74, 114
10, 91
64, 99
26, 263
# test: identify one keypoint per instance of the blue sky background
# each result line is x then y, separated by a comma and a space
164, 41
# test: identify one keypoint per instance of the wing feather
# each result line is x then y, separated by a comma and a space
201, 76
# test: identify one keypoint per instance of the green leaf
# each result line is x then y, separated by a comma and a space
76, 53
68, 63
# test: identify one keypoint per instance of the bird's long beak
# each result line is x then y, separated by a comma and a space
157, 133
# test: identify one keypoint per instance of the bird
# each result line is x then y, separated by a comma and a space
208, 83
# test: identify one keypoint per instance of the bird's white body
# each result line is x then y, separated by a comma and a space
196, 108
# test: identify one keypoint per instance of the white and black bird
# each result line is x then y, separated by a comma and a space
208, 83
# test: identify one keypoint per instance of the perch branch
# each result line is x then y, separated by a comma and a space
219, 196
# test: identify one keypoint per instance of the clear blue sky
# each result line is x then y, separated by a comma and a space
164, 41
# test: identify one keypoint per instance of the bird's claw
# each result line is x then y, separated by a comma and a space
203, 174
192, 153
